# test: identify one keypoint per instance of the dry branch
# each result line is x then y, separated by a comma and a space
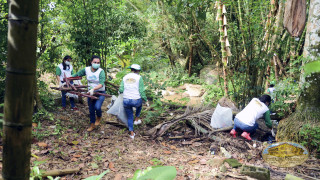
58, 172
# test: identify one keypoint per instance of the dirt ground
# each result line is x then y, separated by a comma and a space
64, 143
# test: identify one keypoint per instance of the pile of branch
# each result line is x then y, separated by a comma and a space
198, 117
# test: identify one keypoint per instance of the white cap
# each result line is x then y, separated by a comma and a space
135, 66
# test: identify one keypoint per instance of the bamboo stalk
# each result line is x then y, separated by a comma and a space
20, 81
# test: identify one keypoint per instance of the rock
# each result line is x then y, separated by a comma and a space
209, 74
193, 90
255, 172
225, 102
292, 177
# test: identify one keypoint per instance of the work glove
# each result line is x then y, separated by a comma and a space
91, 92
272, 133
147, 103
61, 84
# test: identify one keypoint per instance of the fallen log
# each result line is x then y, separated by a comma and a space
60, 172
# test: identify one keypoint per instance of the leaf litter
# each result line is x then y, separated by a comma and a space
109, 147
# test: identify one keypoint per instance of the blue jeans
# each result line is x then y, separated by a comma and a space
239, 126
95, 107
128, 105
64, 99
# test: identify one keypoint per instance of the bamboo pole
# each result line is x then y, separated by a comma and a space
21, 69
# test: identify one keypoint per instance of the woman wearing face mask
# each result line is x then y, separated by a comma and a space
65, 70
96, 78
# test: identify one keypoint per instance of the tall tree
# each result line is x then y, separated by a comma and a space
308, 104
21, 68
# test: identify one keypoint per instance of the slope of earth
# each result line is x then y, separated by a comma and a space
64, 143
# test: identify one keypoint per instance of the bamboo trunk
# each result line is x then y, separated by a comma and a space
222, 19
20, 80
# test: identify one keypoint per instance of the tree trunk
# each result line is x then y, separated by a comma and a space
308, 104
21, 69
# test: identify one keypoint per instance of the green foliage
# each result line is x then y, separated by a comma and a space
312, 67
175, 77
158, 109
42, 114
214, 93
98, 177
1, 116
3, 45
156, 173
284, 96
45, 96
36, 173
310, 137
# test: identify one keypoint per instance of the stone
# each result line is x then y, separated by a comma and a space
194, 90
255, 172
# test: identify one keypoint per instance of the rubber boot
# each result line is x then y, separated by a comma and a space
97, 123
92, 126
233, 133
246, 135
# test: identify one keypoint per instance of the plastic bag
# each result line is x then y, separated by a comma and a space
117, 109
221, 117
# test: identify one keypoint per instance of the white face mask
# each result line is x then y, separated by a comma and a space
67, 62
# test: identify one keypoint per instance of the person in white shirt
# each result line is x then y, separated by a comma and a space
96, 78
246, 120
132, 87
63, 70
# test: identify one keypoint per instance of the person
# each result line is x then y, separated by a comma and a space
65, 69
246, 120
270, 89
132, 87
96, 78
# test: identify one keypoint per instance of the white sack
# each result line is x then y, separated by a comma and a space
221, 117
117, 109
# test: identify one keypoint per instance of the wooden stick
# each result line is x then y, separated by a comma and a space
58, 172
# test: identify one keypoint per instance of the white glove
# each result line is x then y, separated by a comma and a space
272, 132
62, 84
147, 103
91, 92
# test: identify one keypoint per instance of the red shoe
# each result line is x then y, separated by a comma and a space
74, 109
233, 133
246, 135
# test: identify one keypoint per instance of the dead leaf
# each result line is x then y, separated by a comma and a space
111, 166
44, 151
76, 155
75, 142
34, 125
106, 164
196, 144
173, 147
118, 177
186, 142
164, 144
193, 162
42, 144
203, 162
74, 159
81, 165
167, 152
